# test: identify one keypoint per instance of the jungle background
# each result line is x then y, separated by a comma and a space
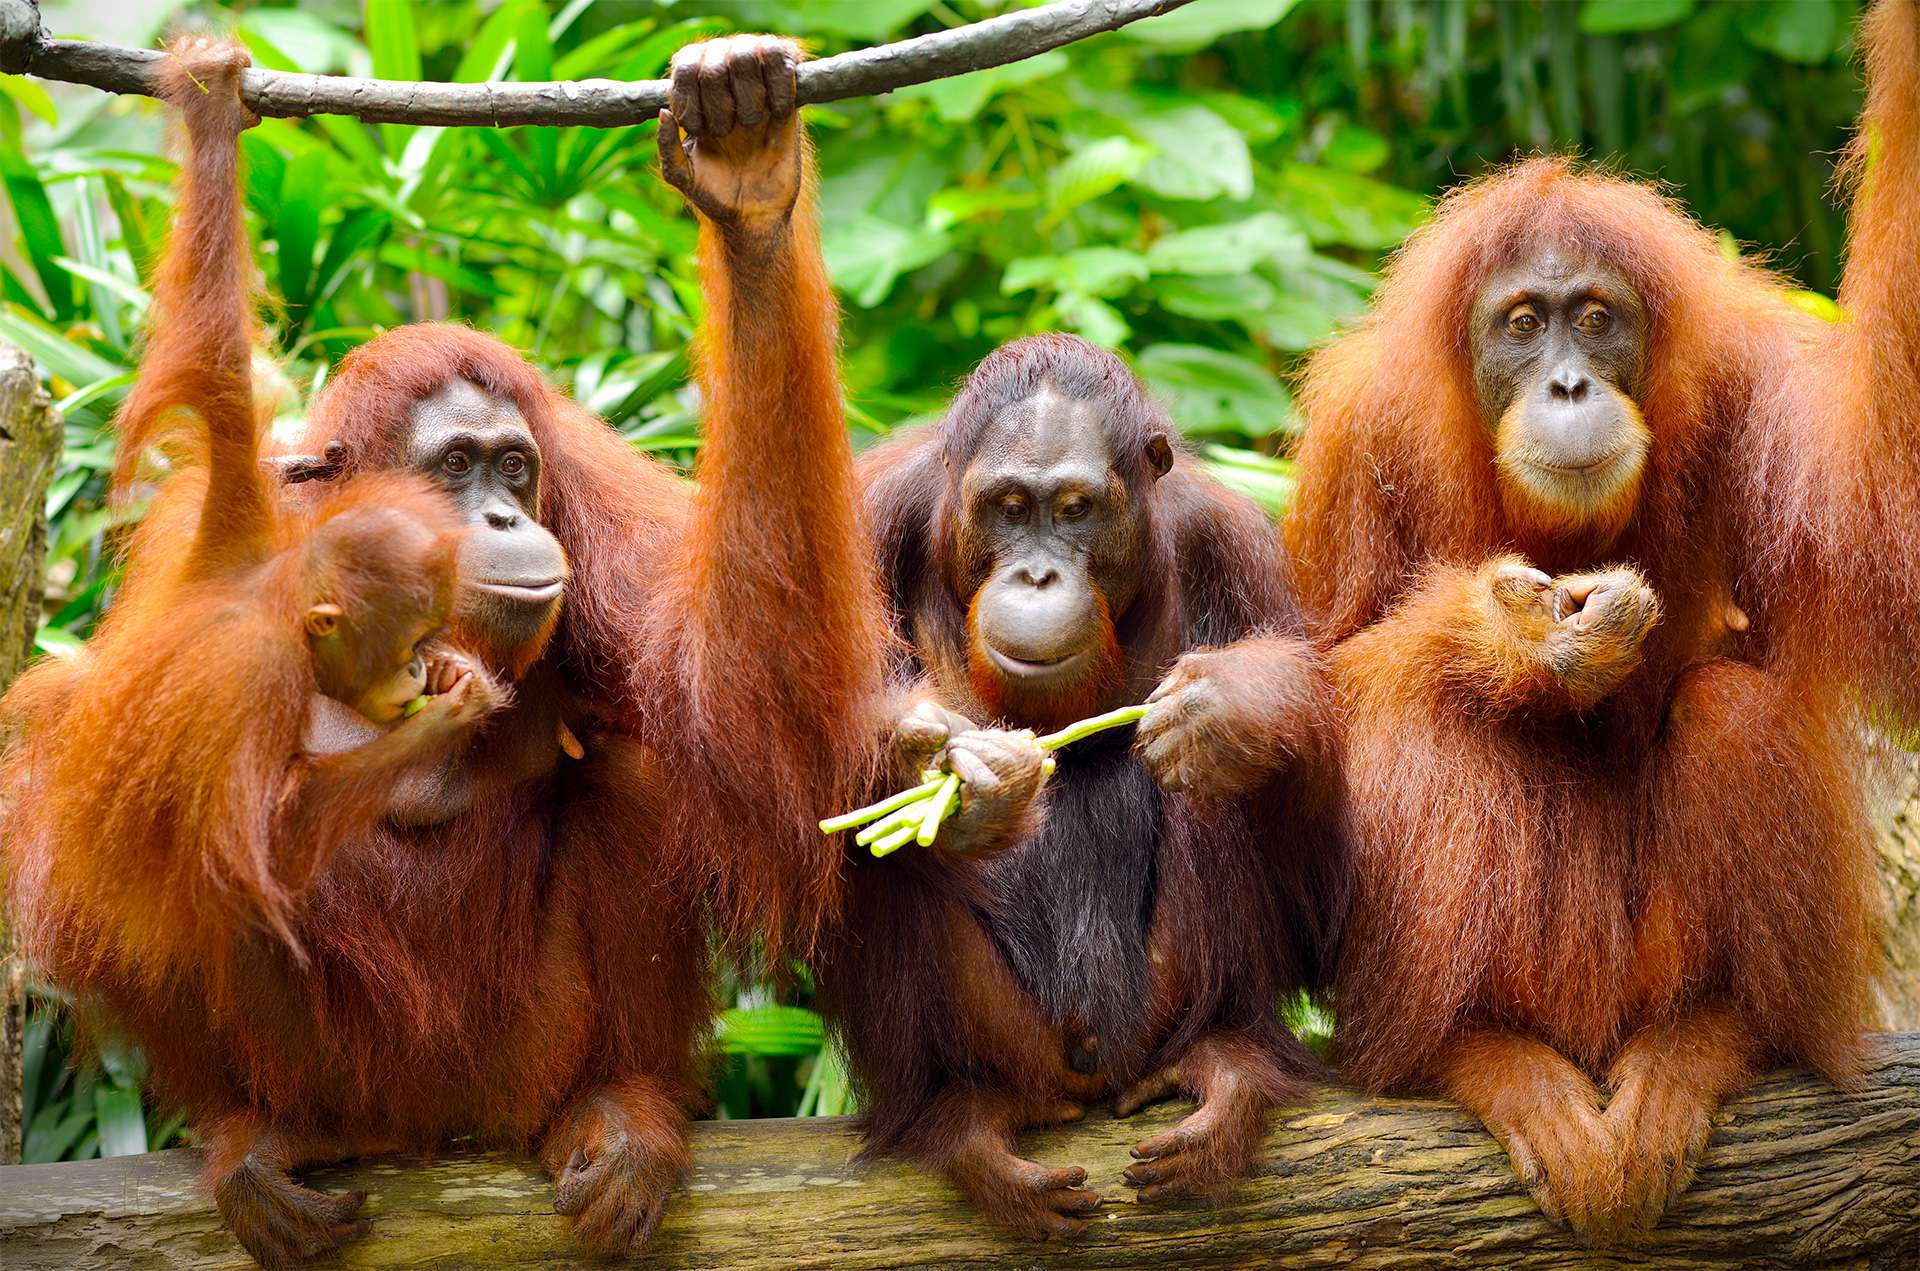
1211, 192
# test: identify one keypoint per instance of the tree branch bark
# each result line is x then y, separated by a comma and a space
600, 103
1797, 1174
29, 451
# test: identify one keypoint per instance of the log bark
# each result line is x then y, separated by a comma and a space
29, 451
1898, 989
1798, 1174
600, 103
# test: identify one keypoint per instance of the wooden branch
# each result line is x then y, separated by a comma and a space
30, 438
600, 103
1797, 1175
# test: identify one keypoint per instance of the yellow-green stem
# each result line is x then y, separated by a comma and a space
942, 802
1088, 727
860, 816
895, 841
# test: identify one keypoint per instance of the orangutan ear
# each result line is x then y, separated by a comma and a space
1160, 454
323, 620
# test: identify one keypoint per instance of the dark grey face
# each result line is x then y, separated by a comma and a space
1559, 354
481, 452
1048, 526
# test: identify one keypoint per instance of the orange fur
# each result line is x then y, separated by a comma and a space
1663, 852
284, 960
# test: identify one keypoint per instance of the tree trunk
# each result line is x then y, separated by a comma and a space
1797, 1174
1899, 868
29, 451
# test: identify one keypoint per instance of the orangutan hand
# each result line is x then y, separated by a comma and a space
742, 159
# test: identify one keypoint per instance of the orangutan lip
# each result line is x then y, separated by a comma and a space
1581, 469
1024, 669
525, 593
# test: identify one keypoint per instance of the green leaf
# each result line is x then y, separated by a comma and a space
1232, 248
1211, 391
1239, 296
1198, 25
31, 97
123, 1124
58, 642
39, 228
1099, 321
108, 282
1355, 149
1311, 302
1262, 478
307, 40
1340, 207
1709, 61
1819, 306
958, 205
1092, 171
1091, 271
349, 136
73, 362
1201, 156
304, 191
867, 20
770, 1030
1797, 30
54, 1131
866, 254
959, 99
1617, 17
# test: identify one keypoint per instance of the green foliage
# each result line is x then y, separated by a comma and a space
78, 1104
1208, 192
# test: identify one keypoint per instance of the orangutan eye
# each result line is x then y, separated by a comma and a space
1524, 322
1013, 509
513, 463
456, 462
1594, 320
1075, 507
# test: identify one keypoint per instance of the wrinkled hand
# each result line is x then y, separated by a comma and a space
461, 694
1000, 774
1564, 1154
1662, 1127
1209, 729
1590, 628
203, 80
742, 157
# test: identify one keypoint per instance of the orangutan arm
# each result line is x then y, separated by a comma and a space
1828, 509
1505, 637
776, 538
200, 326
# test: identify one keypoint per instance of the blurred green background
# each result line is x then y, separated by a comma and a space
1210, 192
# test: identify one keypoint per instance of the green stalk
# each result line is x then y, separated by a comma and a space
1088, 727
414, 707
909, 815
847, 820
895, 841
942, 801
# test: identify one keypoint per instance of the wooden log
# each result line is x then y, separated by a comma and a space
1797, 1174
30, 437
1898, 846
600, 103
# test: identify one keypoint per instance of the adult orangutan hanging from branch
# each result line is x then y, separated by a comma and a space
333, 941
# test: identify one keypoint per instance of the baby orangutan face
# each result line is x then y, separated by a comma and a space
378, 687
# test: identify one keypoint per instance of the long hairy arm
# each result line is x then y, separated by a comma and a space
198, 359
783, 640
